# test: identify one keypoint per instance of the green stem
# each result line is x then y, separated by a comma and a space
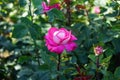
30, 10
34, 41
58, 65
68, 13
97, 70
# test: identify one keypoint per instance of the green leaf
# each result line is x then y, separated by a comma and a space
19, 31
26, 21
44, 67
109, 76
53, 2
25, 72
34, 29
117, 73
34, 33
22, 2
39, 10
36, 3
116, 44
23, 59
106, 60
41, 75
92, 57
55, 14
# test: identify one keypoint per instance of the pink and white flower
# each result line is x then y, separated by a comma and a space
98, 50
58, 40
46, 7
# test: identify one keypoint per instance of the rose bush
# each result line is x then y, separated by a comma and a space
24, 23
59, 39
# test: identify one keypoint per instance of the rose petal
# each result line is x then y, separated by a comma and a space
65, 30
57, 6
45, 7
56, 39
51, 31
58, 49
70, 46
73, 38
67, 38
67, 35
48, 40
60, 34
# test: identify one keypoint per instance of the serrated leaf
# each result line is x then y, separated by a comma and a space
41, 75
33, 29
55, 14
23, 59
19, 31
39, 10
44, 67
26, 21
36, 3
92, 57
106, 60
25, 72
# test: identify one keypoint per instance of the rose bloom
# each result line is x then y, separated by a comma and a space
46, 7
98, 50
96, 9
58, 40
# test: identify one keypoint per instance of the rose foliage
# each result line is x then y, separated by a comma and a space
59, 40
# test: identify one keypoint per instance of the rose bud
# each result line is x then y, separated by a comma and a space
98, 50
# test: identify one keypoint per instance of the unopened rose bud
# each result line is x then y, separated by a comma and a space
98, 50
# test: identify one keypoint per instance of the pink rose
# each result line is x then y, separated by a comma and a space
59, 39
46, 7
97, 9
98, 50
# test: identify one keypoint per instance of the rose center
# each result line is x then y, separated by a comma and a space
58, 36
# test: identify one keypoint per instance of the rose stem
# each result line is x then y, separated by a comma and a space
68, 12
97, 65
36, 48
58, 66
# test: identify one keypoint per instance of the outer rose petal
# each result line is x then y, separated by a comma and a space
57, 49
70, 46
67, 36
49, 40
73, 38
65, 30
51, 31
57, 6
45, 7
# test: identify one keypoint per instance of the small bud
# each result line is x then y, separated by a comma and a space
98, 50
